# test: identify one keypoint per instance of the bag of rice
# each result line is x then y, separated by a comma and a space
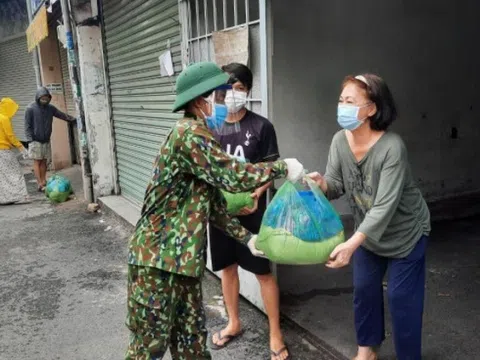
300, 226
58, 189
236, 202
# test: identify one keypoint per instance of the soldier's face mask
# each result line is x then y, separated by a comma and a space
207, 105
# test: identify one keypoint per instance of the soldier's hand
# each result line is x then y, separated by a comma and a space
253, 249
295, 170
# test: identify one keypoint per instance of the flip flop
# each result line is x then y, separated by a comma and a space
282, 350
229, 339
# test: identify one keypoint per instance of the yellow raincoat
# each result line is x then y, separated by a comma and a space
8, 140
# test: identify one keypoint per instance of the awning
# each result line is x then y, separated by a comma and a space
38, 29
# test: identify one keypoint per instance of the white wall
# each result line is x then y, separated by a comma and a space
426, 52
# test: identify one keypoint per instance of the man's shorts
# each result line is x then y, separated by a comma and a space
226, 251
165, 310
39, 151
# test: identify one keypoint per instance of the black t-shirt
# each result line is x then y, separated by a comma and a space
255, 142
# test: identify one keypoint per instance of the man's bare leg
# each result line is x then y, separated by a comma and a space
271, 300
43, 172
37, 164
231, 297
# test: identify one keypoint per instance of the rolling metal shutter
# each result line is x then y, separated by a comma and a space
17, 78
70, 102
67, 85
136, 34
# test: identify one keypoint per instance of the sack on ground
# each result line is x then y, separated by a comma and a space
236, 202
58, 188
300, 226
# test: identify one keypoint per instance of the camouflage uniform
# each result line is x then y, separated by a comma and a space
165, 310
168, 249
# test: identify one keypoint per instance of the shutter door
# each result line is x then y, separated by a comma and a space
137, 33
67, 86
69, 99
17, 78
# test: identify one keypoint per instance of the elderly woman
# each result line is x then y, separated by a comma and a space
369, 165
12, 183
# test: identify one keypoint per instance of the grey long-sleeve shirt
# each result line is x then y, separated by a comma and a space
387, 205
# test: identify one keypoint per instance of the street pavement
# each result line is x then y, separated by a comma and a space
63, 291
63, 288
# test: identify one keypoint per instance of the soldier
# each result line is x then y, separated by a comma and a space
167, 252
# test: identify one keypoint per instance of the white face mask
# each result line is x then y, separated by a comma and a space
235, 101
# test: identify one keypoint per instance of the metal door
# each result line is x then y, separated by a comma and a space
70, 105
200, 18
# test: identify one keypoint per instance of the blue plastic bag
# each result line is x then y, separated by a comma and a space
300, 226
58, 189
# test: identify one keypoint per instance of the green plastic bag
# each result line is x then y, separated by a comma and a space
58, 189
300, 226
236, 202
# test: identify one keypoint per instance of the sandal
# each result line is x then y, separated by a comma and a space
280, 352
228, 338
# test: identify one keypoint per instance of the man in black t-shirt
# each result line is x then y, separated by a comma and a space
253, 140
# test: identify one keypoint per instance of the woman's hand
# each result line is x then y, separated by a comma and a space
319, 180
249, 211
342, 254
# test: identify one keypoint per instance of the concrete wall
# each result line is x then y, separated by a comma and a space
95, 100
424, 50
99, 128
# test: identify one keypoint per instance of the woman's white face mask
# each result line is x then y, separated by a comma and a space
235, 101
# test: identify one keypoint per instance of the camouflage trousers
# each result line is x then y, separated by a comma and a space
165, 310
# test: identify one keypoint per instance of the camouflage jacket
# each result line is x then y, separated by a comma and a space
184, 194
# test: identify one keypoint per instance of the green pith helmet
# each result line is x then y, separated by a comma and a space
197, 79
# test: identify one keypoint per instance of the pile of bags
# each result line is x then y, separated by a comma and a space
300, 226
